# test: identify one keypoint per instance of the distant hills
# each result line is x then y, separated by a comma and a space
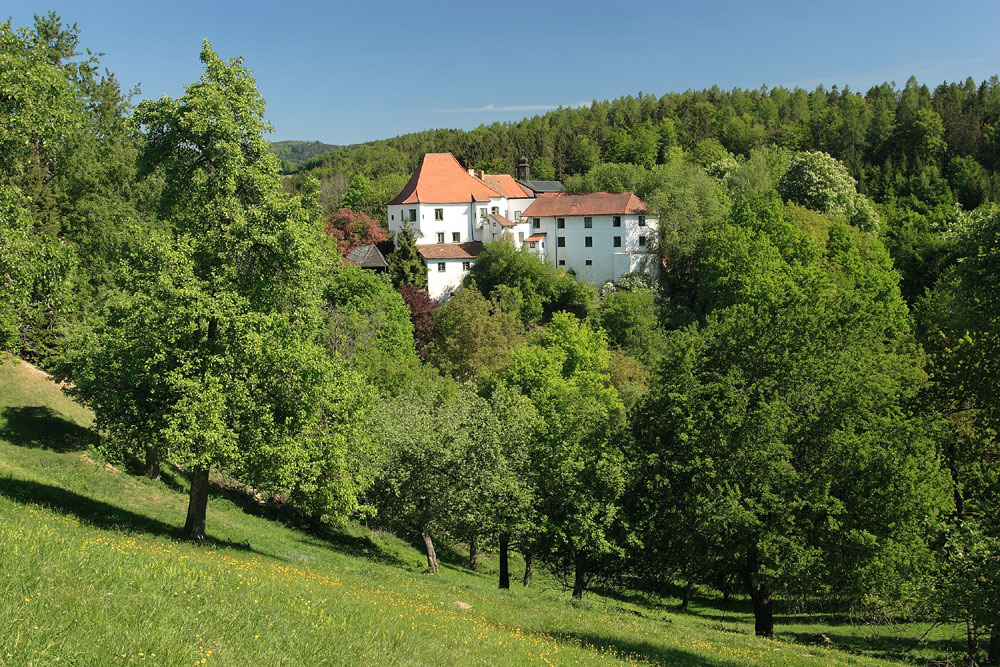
295, 153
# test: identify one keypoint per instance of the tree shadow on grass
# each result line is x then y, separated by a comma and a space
41, 427
640, 651
96, 513
886, 646
358, 546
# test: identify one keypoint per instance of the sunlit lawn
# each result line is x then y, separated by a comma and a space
92, 572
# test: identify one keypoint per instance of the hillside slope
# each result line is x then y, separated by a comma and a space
91, 572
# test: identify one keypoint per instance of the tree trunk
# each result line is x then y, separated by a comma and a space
151, 467
763, 607
504, 564
527, 570
432, 559
687, 595
578, 577
194, 527
473, 554
994, 655
971, 645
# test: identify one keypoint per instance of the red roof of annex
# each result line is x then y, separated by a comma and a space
590, 203
440, 179
467, 250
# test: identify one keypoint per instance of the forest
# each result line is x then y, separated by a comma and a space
801, 409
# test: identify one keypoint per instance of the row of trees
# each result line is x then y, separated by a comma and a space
773, 412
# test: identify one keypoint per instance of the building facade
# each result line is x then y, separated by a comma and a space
452, 212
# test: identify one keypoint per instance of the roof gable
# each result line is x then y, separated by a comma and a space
507, 186
440, 179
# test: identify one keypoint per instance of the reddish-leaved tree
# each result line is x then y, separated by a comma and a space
352, 228
422, 308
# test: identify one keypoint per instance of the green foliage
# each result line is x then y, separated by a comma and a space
777, 432
473, 337
541, 170
209, 354
631, 320
405, 265
524, 285
576, 456
42, 113
369, 324
960, 326
295, 153
817, 181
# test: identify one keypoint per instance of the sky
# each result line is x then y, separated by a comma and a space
348, 72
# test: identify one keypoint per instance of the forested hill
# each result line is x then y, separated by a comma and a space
921, 155
936, 144
879, 135
294, 153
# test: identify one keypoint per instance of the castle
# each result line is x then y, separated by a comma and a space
453, 212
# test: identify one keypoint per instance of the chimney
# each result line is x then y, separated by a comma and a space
481, 175
472, 172
522, 168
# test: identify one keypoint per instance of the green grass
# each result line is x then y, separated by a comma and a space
92, 572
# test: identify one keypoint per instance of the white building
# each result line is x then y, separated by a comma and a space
453, 211
597, 235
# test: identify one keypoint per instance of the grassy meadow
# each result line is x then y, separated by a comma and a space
92, 573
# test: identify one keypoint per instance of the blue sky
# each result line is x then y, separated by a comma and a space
345, 72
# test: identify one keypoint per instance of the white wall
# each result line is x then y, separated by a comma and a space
441, 284
607, 261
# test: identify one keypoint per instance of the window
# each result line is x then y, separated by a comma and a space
561, 241
531, 245
439, 214
536, 223
482, 213
456, 237
440, 267
642, 221
440, 237
588, 223
392, 217
495, 210
520, 238
588, 241
562, 262
642, 241
517, 216
466, 266
618, 242
561, 223
413, 215
618, 221
589, 262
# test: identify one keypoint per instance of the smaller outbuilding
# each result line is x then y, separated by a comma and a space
368, 256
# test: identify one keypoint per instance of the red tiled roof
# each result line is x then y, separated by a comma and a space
536, 237
467, 250
507, 186
590, 203
440, 179
502, 221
